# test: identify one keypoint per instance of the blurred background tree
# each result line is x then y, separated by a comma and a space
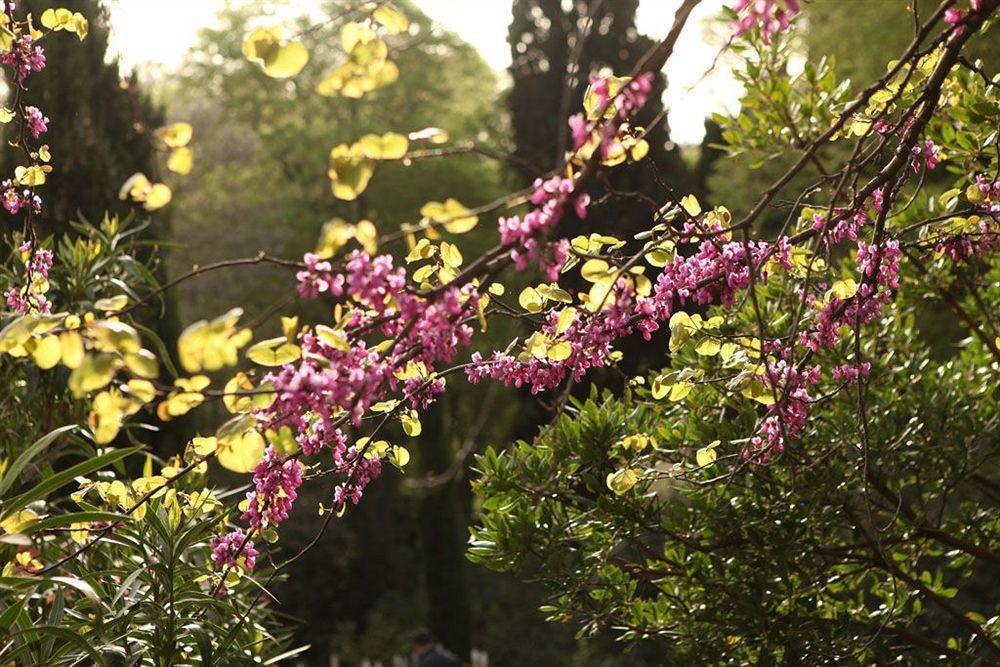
555, 48
101, 122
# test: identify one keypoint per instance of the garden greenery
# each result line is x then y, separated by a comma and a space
802, 482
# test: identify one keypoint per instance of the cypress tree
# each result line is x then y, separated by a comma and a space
100, 122
551, 69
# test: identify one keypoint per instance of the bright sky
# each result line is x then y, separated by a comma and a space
161, 31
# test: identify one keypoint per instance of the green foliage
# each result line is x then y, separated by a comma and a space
844, 549
779, 112
139, 596
143, 592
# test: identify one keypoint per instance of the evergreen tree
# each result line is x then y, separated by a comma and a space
100, 121
100, 133
551, 70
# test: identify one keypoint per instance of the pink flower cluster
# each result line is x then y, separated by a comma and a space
31, 296
318, 278
23, 57
276, 480
928, 155
14, 200
632, 97
590, 339
373, 281
985, 239
786, 417
852, 372
338, 380
968, 245
879, 268
228, 549
717, 272
523, 235
364, 470
880, 263
990, 191
37, 122
953, 15
772, 16
847, 225
312, 394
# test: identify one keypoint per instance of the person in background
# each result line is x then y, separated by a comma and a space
429, 653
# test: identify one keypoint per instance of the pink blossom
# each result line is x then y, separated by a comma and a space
31, 296
23, 57
276, 481
880, 263
927, 155
318, 278
851, 372
37, 123
847, 225
878, 199
786, 417
580, 130
590, 339
15, 200
228, 550
879, 268
364, 470
772, 16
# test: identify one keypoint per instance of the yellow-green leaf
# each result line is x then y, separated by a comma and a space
622, 480
561, 351
707, 455
159, 195
389, 146
398, 456
411, 423
844, 289
204, 446
708, 347
30, 176
691, 205
596, 270
274, 352
349, 172
181, 161
111, 304
47, 352
18, 521
531, 300
280, 61
450, 255
393, 20
94, 372
239, 446
680, 390
176, 135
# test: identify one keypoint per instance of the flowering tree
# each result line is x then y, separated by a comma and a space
787, 337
